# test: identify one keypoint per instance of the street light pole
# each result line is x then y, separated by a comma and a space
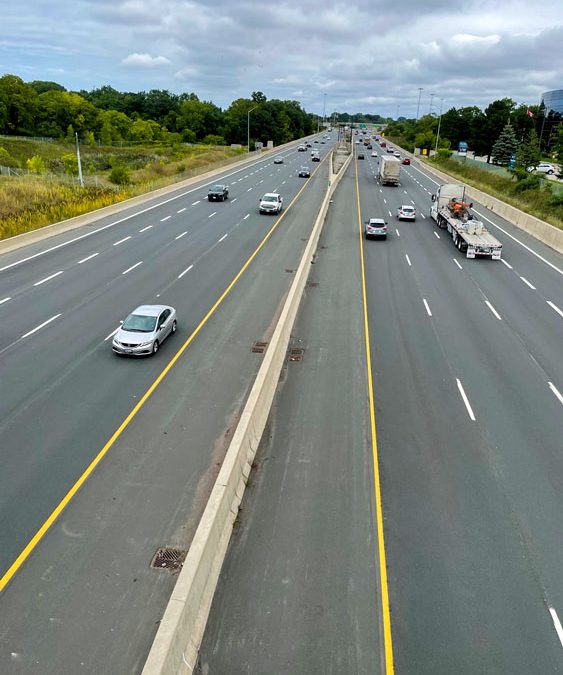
418, 106
324, 109
439, 125
248, 127
80, 178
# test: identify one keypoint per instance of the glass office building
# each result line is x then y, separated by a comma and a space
550, 115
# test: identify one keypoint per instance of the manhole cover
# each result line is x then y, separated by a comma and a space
296, 354
259, 347
170, 559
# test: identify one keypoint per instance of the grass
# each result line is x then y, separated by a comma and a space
544, 202
30, 201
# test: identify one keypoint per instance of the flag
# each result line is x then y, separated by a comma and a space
529, 113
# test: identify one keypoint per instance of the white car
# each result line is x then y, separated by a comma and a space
278, 159
406, 212
544, 167
374, 154
376, 228
271, 202
144, 330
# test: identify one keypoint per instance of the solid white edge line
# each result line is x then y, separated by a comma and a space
52, 276
554, 307
530, 250
185, 271
4, 300
87, 258
556, 392
181, 210
493, 310
144, 229
465, 400
527, 283
41, 326
427, 307
181, 235
557, 624
212, 214
398, 233
503, 261
113, 332
436, 234
457, 263
408, 259
165, 218
121, 241
223, 237
133, 267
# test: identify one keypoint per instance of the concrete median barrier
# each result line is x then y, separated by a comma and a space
176, 645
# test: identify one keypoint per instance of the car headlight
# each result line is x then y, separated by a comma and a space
144, 344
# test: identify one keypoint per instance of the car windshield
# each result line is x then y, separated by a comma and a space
408, 208
217, 188
270, 198
139, 323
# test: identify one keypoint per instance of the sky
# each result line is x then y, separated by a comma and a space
369, 56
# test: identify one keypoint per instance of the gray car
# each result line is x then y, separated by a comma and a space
144, 330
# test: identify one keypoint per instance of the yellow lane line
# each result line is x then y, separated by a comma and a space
386, 615
22, 557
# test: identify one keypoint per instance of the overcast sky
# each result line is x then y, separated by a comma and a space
365, 55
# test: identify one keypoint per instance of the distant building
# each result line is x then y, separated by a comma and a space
550, 115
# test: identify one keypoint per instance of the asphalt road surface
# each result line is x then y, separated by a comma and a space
86, 599
467, 363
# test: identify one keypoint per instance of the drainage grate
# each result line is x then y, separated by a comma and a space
296, 354
170, 559
259, 347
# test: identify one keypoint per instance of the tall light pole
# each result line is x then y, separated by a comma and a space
439, 125
248, 127
80, 178
324, 109
418, 106
431, 99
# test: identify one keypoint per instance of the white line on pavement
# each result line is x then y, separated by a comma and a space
390, 214
223, 237
405, 191
181, 210
121, 241
194, 203
133, 267
185, 272
408, 259
52, 276
165, 218
503, 261
493, 310
249, 189
527, 283
247, 215
4, 300
212, 214
384, 200
557, 624
456, 262
412, 202
465, 400
87, 258
427, 307
555, 307
148, 227
234, 200
422, 214
113, 332
41, 326
398, 233
436, 234
181, 235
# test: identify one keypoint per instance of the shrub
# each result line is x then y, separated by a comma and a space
530, 183
70, 163
444, 153
180, 168
213, 139
36, 164
6, 159
119, 175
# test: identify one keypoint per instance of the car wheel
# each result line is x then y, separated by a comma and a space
550, 172
155, 346
174, 326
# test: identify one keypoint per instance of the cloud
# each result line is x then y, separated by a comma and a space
145, 60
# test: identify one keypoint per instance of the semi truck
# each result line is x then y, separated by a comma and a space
451, 211
389, 170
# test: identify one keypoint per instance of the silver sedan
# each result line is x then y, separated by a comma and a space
144, 330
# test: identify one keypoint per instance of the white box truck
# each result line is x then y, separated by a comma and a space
450, 211
389, 170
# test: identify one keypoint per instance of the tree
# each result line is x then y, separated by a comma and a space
36, 164
70, 162
17, 105
497, 114
505, 146
41, 86
529, 153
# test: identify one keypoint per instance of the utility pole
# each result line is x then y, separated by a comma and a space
431, 99
80, 178
248, 127
418, 106
324, 110
439, 125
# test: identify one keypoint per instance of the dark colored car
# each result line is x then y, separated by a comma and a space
218, 193
369, 146
406, 160
304, 172
361, 155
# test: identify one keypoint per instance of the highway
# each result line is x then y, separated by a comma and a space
83, 597
468, 379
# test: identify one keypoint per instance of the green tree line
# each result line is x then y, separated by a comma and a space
107, 116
